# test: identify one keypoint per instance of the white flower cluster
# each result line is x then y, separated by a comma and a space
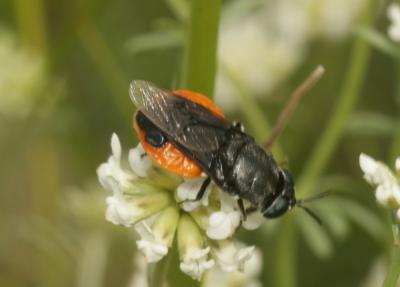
387, 191
393, 13
22, 77
260, 48
204, 228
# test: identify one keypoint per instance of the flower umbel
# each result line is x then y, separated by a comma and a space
393, 13
387, 185
143, 197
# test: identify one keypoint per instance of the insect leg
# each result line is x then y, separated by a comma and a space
251, 209
200, 193
202, 189
242, 209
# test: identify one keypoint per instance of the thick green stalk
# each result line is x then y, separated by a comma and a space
200, 54
198, 74
347, 100
286, 274
393, 273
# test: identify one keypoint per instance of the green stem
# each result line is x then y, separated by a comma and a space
158, 272
102, 56
200, 55
258, 123
286, 275
393, 273
31, 23
347, 100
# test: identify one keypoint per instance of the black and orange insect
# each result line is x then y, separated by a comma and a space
185, 133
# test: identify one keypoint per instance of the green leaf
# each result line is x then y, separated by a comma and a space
334, 219
378, 41
180, 8
363, 217
315, 236
371, 123
155, 41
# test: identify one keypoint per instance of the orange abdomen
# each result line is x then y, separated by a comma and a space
168, 156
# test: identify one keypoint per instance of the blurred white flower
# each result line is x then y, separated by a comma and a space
387, 191
187, 192
393, 13
230, 256
197, 262
260, 48
222, 224
22, 77
246, 278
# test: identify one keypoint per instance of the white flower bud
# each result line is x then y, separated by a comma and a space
193, 255
222, 224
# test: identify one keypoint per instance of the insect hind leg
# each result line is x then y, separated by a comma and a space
200, 193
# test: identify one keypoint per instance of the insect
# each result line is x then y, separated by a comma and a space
186, 133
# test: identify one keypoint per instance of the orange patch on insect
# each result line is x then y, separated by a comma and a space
201, 100
169, 157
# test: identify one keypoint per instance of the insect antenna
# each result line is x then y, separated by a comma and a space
300, 203
315, 197
311, 213
292, 104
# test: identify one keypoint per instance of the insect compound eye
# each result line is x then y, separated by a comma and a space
277, 208
155, 138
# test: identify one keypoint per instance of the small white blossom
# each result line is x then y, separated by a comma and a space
139, 161
230, 257
157, 234
245, 278
120, 212
194, 256
152, 249
253, 221
111, 175
387, 191
222, 224
187, 192
393, 13
196, 262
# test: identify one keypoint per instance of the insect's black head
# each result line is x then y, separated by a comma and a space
285, 196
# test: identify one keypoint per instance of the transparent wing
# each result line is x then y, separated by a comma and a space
186, 122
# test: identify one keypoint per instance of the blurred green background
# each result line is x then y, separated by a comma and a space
65, 68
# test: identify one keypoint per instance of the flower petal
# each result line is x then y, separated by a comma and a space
222, 225
139, 161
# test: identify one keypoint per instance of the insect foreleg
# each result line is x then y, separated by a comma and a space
203, 189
